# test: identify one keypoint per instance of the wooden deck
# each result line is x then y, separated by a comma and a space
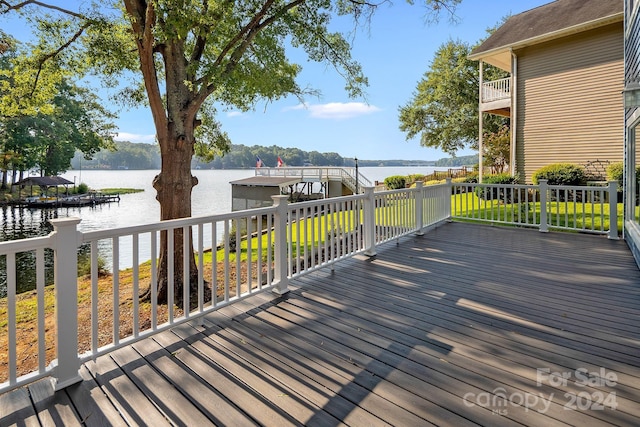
431, 331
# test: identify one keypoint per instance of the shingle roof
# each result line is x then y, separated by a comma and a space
547, 19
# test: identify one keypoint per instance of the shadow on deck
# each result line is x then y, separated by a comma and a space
466, 325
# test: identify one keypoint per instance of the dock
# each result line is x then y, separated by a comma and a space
79, 200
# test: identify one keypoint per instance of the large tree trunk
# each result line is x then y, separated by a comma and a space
173, 185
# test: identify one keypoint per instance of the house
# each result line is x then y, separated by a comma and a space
632, 122
563, 95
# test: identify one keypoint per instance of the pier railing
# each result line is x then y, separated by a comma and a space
317, 174
53, 329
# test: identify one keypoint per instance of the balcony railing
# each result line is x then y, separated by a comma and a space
252, 251
496, 90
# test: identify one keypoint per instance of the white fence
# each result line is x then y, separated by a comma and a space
260, 250
571, 208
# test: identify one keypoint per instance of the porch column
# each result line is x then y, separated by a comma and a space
480, 125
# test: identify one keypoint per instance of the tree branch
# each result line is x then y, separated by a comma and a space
7, 7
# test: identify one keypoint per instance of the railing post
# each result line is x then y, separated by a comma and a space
66, 240
369, 221
613, 210
447, 198
419, 213
280, 279
544, 190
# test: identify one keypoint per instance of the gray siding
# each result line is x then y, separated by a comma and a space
569, 100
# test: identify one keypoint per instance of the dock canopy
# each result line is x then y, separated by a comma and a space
44, 181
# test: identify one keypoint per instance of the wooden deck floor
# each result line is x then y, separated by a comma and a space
432, 331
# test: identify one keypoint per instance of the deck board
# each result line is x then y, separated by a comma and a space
408, 337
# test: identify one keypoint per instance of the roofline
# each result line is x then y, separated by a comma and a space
600, 22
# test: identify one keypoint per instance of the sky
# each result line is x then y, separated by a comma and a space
395, 52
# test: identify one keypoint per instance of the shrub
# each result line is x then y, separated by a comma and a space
414, 177
499, 178
83, 188
395, 182
471, 178
560, 174
496, 193
615, 172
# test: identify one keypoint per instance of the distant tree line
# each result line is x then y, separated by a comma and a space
128, 155
453, 162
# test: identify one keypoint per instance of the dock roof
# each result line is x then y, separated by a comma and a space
44, 181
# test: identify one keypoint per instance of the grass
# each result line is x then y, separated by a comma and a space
560, 214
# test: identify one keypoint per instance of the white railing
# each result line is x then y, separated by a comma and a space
573, 208
314, 173
496, 90
251, 251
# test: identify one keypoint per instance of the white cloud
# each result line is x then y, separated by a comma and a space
134, 137
234, 113
338, 110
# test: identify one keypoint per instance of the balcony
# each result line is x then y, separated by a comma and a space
496, 97
394, 315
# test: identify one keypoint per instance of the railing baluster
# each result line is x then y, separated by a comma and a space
136, 284
214, 263
186, 271
227, 243
40, 282
115, 251
154, 280
170, 273
11, 317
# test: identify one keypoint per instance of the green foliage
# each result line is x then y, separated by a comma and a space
499, 178
457, 161
444, 107
560, 174
84, 265
471, 178
497, 147
496, 193
82, 188
47, 142
395, 182
615, 172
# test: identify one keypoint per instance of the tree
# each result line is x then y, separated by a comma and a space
49, 141
444, 107
193, 55
497, 147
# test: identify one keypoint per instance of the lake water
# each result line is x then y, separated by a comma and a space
211, 196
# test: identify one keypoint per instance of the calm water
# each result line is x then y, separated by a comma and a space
211, 196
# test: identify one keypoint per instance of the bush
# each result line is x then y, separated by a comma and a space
495, 193
560, 174
471, 178
395, 182
615, 172
500, 178
83, 188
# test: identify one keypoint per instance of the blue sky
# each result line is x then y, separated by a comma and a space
395, 53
